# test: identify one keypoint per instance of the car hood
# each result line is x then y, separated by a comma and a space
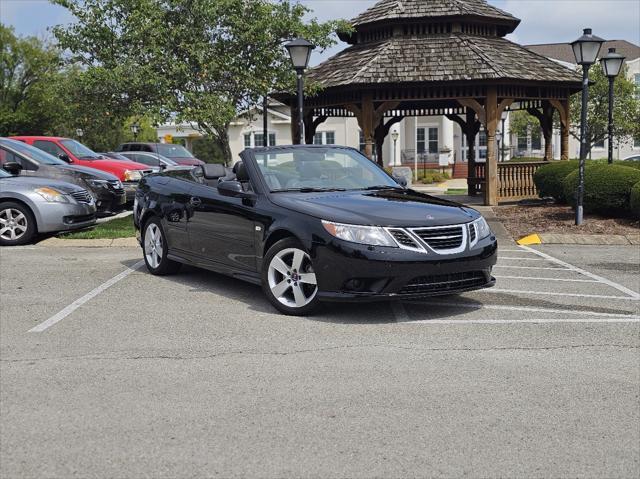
188, 161
87, 172
379, 208
121, 164
21, 183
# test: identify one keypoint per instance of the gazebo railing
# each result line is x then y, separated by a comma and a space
515, 180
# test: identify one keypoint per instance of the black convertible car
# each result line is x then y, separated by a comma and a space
310, 224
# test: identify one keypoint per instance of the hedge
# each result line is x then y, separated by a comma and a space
549, 179
635, 200
607, 188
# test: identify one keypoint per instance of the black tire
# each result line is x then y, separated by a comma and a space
157, 264
21, 225
291, 278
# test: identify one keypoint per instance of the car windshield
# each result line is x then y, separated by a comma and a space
4, 174
173, 151
79, 150
32, 152
320, 169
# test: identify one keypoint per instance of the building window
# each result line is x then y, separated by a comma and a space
599, 144
482, 138
326, 138
255, 140
536, 139
362, 145
427, 140
522, 143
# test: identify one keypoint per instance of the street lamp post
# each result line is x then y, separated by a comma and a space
135, 128
502, 134
300, 52
394, 136
585, 49
611, 65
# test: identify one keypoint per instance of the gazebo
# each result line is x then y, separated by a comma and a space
442, 57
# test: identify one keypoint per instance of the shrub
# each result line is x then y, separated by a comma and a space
607, 188
432, 176
549, 179
634, 200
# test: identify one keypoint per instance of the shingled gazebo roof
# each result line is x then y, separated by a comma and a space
389, 10
418, 41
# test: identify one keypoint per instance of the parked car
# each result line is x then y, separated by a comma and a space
632, 158
21, 159
114, 155
310, 224
177, 153
30, 205
154, 160
74, 152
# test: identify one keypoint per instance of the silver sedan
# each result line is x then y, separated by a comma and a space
30, 205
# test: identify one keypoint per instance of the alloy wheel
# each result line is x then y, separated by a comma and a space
13, 224
153, 245
292, 280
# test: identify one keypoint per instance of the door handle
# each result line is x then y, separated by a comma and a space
195, 201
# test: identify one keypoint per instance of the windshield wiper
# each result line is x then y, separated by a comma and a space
381, 187
309, 190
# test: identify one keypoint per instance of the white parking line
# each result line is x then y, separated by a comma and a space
521, 321
606, 281
531, 267
548, 279
520, 259
546, 293
56, 318
502, 307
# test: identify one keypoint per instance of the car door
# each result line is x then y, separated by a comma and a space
174, 194
222, 228
49, 147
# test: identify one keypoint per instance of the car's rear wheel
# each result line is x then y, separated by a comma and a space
154, 245
17, 224
288, 278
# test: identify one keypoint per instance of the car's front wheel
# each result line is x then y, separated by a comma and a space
17, 224
288, 278
154, 245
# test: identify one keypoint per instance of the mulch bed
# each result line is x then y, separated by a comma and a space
523, 220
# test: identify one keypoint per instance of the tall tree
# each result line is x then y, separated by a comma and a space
626, 112
198, 61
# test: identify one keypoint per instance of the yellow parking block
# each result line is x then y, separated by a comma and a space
531, 239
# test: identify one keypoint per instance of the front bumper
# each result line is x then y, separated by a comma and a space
351, 272
109, 203
54, 217
130, 190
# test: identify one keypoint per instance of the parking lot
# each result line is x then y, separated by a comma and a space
108, 371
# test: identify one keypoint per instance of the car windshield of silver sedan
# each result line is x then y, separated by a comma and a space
320, 169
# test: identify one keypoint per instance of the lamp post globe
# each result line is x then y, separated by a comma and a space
300, 53
586, 50
611, 65
135, 128
394, 136
79, 132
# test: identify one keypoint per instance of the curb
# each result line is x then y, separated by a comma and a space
89, 243
551, 238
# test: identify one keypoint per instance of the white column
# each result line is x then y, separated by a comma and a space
447, 136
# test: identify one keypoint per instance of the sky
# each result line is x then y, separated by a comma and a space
543, 21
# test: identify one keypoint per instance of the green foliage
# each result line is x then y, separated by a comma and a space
549, 179
200, 61
208, 150
607, 188
521, 122
432, 176
117, 228
634, 200
626, 111
29, 73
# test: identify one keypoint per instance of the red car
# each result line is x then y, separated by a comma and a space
74, 152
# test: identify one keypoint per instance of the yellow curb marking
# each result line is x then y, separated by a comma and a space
531, 239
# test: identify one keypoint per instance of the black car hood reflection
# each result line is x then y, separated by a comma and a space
395, 207
87, 172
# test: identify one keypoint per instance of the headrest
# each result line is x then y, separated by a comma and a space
241, 171
212, 171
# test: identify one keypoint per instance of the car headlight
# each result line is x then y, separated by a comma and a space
370, 235
132, 175
98, 183
52, 195
482, 228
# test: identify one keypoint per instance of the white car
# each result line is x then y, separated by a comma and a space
154, 160
632, 158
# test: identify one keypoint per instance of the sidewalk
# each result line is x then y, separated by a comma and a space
441, 188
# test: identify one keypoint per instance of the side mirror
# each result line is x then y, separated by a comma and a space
64, 157
234, 189
401, 180
12, 167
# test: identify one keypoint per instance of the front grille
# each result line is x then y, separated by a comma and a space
403, 239
73, 220
444, 282
82, 196
450, 237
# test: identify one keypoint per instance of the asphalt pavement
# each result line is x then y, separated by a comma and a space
107, 371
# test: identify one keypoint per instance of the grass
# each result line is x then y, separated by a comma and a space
456, 191
118, 228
